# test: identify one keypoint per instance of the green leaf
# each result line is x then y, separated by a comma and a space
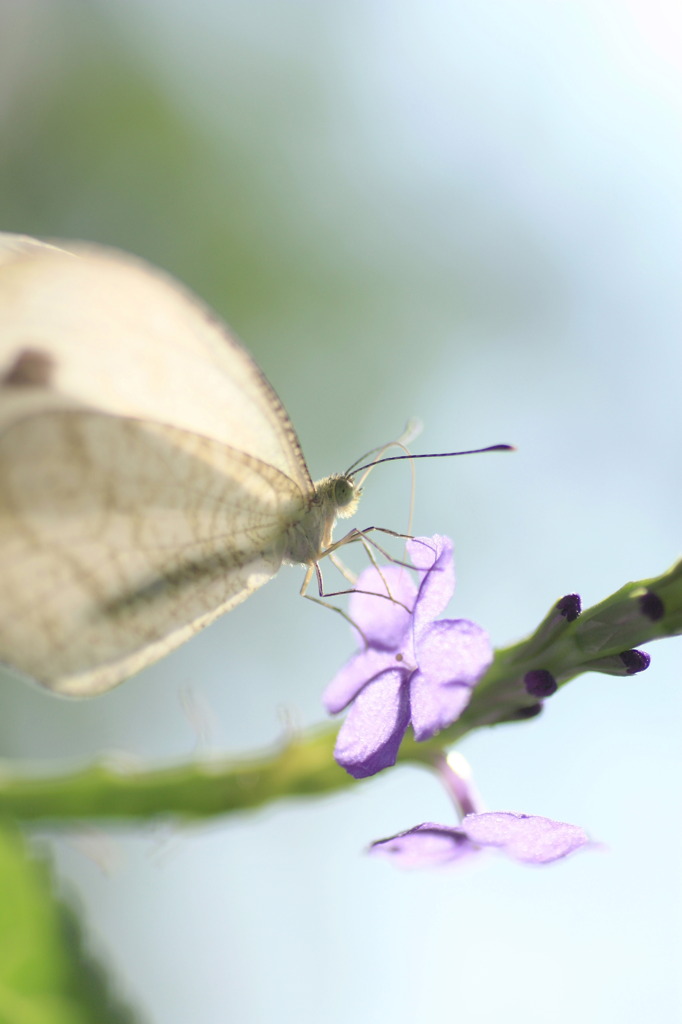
46, 974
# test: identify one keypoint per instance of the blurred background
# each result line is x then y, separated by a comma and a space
466, 211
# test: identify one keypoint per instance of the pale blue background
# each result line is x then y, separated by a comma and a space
467, 211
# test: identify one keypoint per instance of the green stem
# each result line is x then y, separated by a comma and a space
304, 766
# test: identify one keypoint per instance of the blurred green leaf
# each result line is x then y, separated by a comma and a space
243, 199
96, 147
46, 974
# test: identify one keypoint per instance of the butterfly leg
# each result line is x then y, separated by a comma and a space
360, 536
343, 569
354, 536
314, 568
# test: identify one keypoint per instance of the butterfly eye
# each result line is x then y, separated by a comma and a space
344, 492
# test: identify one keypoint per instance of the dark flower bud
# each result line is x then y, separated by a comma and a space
569, 606
554, 625
651, 605
540, 683
635, 661
627, 663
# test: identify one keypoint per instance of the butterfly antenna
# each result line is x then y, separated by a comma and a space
430, 455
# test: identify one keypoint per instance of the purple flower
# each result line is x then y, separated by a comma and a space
413, 669
528, 838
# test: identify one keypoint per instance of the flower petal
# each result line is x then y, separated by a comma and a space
432, 556
525, 837
349, 680
424, 846
452, 654
383, 620
370, 736
454, 651
435, 707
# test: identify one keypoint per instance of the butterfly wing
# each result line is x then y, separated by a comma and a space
125, 338
135, 507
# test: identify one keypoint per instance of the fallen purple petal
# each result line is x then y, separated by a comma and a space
525, 837
528, 838
425, 845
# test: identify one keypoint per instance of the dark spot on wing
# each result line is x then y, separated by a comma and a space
32, 368
173, 582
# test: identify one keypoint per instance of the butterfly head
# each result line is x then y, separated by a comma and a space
309, 537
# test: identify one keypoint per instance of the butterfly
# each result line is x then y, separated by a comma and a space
150, 478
